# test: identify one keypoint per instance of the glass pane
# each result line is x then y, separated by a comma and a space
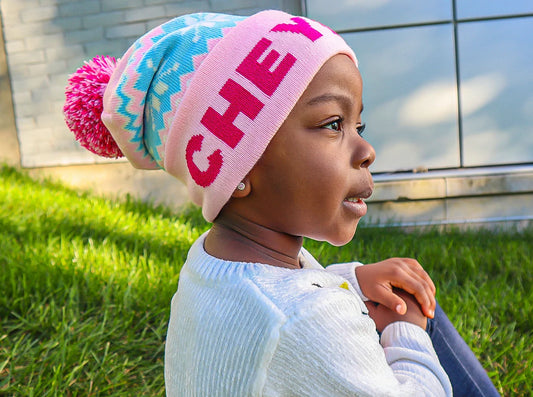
350, 14
497, 91
410, 96
486, 8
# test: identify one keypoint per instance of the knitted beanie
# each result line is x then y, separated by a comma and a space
200, 96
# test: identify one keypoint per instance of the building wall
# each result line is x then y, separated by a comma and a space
9, 148
447, 84
448, 94
492, 196
46, 40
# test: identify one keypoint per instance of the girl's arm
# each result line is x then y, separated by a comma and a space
330, 346
376, 282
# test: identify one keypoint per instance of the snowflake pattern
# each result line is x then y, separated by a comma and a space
158, 71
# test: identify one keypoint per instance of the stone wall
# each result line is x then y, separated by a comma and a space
9, 148
46, 40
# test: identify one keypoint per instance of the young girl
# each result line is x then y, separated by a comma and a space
261, 118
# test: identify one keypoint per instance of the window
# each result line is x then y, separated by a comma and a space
410, 96
496, 86
447, 84
349, 14
490, 8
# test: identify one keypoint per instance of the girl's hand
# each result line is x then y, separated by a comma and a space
377, 281
383, 316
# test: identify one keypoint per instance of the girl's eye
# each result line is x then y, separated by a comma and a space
335, 125
361, 128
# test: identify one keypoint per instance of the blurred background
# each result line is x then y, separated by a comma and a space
448, 94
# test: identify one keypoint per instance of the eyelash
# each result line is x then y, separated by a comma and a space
360, 128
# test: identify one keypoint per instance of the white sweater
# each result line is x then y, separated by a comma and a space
249, 329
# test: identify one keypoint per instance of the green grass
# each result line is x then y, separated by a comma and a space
86, 285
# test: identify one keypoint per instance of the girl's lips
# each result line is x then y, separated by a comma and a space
354, 202
355, 205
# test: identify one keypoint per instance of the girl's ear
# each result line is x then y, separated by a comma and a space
243, 189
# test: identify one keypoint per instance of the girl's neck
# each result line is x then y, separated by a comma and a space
236, 238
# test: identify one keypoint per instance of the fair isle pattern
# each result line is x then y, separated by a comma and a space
160, 65
184, 96
130, 99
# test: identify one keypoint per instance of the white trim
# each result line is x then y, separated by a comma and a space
453, 173
446, 222
303, 4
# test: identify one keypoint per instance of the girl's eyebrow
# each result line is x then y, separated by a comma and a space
330, 98
343, 99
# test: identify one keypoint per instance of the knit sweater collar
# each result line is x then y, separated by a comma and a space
204, 265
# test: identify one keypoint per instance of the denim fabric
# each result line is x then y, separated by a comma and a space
466, 374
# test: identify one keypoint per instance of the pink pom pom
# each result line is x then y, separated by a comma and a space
83, 106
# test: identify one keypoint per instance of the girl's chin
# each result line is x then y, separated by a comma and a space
343, 237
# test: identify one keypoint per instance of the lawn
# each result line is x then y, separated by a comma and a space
86, 286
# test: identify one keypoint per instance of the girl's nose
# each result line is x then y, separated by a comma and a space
363, 154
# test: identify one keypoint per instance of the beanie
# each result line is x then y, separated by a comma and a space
200, 96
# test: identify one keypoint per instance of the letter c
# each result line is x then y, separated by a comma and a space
215, 159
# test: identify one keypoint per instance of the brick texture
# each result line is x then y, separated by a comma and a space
46, 40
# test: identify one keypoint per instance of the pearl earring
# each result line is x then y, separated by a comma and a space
241, 186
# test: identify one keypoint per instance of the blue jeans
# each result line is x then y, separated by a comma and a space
467, 376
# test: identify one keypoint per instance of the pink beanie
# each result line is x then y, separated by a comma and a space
200, 96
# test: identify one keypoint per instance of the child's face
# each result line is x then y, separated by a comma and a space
312, 176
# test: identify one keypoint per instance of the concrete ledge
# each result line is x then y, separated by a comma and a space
408, 189
490, 184
115, 180
476, 196
490, 198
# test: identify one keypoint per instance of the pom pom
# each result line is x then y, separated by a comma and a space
83, 106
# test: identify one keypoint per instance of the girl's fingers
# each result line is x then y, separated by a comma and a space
424, 296
417, 269
377, 281
422, 288
387, 298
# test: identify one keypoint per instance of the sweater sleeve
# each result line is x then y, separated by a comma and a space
347, 271
344, 270
329, 347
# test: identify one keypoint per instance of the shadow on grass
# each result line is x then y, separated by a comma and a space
41, 222
67, 328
